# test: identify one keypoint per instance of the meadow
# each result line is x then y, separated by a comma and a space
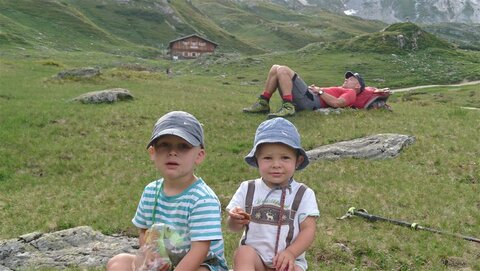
65, 164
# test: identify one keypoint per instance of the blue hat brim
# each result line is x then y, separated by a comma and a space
252, 161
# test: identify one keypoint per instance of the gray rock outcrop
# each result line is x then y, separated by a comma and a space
105, 96
77, 247
380, 146
330, 110
79, 73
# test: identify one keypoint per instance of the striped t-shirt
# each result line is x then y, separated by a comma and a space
194, 214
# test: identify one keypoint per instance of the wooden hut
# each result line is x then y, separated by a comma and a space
191, 46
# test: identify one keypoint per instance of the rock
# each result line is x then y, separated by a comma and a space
454, 262
77, 247
104, 96
78, 73
30, 236
329, 110
343, 248
401, 41
380, 146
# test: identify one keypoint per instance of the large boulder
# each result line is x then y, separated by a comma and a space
380, 146
104, 96
76, 247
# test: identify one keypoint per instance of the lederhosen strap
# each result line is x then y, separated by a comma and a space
248, 204
293, 212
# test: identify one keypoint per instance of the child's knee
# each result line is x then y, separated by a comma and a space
121, 262
245, 253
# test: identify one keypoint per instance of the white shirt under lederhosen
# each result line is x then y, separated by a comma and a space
261, 232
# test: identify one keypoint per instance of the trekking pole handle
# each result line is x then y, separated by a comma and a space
364, 214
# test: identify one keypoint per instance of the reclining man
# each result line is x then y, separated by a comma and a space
296, 95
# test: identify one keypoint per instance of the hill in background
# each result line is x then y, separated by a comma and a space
147, 26
394, 11
465, 36
397, 38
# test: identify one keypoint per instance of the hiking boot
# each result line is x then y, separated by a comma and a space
287, 110
260, 106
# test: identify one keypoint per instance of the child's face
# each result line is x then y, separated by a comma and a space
175, 158
277, 163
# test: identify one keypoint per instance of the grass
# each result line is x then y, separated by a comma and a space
64, 164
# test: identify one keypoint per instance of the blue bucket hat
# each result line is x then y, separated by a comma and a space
181, 124
277, 130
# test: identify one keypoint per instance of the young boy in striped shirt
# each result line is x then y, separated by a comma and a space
180, 200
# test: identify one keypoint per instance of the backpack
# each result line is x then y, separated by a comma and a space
369, 99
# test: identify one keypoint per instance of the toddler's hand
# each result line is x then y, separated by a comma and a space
284, 261
165, 267
238, 215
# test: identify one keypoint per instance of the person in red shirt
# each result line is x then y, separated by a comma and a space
296, 95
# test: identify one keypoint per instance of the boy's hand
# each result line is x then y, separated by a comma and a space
165, 267
239, 216
284, 261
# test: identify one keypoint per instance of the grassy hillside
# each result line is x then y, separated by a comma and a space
139, 23
203, 24
65, 164
274, 27
145, 27
113, 26
256, 24
399, 38
466, 36
320, 63
53, 24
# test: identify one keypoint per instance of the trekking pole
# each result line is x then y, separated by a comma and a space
364, 214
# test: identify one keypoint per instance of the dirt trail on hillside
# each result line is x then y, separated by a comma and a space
429, 86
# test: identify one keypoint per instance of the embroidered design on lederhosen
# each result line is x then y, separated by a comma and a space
269, 213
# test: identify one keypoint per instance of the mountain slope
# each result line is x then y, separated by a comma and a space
155, 23
202, 23
466, 36
111, 25
397, 39
274, 27
52, 24
393, 11
147, 26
